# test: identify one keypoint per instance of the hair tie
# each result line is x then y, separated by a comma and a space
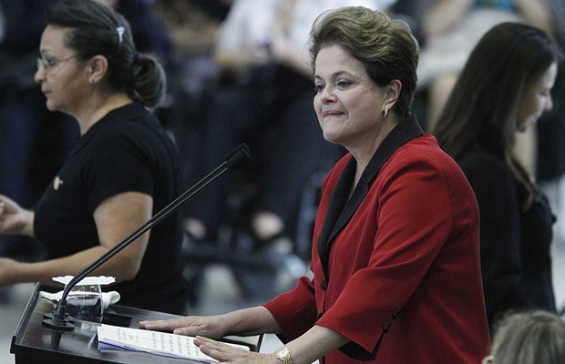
120, 31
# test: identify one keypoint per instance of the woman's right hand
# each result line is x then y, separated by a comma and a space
13, 218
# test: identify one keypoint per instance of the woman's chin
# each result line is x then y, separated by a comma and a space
331, 137
51, 106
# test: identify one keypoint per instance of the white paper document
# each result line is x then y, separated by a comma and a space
155, 342
101, 280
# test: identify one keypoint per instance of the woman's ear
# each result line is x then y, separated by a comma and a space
391, 95
98, 66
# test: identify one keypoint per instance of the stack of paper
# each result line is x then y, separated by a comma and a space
155, 342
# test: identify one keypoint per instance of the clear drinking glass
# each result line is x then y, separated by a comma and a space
84, 303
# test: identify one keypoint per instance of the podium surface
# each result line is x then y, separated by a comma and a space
35, 343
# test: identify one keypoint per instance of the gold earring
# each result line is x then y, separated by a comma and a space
386, 110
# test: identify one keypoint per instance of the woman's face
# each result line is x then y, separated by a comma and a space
348, 103
61, 75
536, 99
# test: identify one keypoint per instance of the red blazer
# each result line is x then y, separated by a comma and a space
396, 267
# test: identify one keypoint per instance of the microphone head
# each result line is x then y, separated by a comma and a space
238, 157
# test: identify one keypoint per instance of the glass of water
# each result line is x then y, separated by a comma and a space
84, 303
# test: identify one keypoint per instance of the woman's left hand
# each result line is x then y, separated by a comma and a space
225, 353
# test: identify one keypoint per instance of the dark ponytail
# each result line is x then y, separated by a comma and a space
96, 29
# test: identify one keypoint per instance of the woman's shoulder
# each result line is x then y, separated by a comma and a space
424, 151
125, 137
131, 122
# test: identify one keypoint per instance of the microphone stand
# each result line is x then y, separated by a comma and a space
235, 159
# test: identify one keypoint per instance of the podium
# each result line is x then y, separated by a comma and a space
35, 343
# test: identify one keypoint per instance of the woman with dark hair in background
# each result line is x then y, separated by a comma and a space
122, 170
503, 89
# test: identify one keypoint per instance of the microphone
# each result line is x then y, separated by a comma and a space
234, 160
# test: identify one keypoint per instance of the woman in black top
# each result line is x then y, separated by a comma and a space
123, 169
503, 89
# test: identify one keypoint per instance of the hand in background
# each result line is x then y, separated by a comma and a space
287, 53
281, 46
14, 219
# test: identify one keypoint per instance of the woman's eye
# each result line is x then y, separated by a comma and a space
343, 84
318, 88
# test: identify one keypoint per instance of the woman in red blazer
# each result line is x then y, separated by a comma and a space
395, 251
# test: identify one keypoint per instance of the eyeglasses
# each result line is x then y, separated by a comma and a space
47, 64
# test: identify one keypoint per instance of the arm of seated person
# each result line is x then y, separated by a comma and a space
443, 16
536, 14
116, 218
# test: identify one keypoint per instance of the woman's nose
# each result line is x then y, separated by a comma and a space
38, 77
326, 95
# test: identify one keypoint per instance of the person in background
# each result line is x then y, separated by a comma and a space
122, 170
530, 337
193, 27
503, 89
452, 28
550, 162
397, 229
264, 99
33, 141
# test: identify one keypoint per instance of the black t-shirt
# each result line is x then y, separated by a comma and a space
127, 150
